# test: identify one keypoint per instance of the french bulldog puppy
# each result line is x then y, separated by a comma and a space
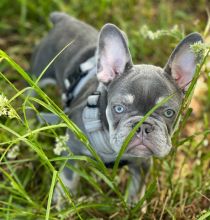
114, 94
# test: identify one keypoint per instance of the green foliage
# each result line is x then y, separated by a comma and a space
179, 185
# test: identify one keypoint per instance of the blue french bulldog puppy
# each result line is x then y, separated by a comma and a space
106, 95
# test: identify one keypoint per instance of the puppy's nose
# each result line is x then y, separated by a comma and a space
139, 129
148, 128
145, 127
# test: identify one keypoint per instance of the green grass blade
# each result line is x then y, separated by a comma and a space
205, 216
52, 61
53, 182
149, 192
34, 132
17, 186
111, 185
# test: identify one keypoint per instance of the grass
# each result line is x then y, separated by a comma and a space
178, 186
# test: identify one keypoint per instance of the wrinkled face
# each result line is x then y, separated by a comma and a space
133, 90
129, 99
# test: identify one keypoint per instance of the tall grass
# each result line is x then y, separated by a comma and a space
30, 139
27, 181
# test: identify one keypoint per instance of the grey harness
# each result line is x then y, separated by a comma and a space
97, 135
91, 115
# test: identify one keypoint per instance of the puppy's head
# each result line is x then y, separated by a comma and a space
135, 89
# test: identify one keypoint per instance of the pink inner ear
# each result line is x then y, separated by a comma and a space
110, 69
105, 77
183, 69
112, 59
182, 77
119, 66
107, 73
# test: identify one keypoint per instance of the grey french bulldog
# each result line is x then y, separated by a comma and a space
106, 95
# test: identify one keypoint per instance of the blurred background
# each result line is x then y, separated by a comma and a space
153, 27
24, 22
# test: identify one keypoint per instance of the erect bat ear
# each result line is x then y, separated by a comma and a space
113, 55
182, 62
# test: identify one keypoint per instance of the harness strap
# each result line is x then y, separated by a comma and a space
91, 114
72, 82
73, 86
92, 122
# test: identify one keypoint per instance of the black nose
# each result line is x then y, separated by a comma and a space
139, 129
148, 128
145, 127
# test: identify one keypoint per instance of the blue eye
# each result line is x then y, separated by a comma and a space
169, 113
119, 109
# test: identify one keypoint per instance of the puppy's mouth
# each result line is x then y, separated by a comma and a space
139, 149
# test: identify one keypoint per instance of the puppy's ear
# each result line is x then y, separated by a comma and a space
113, 56
182, 62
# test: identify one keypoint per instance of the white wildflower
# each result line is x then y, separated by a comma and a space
13, 152
3, 100
199, 49
6, 109
3, 105
153, 35
12, 113
60, 144
205, 143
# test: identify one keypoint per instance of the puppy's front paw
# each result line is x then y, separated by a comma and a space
132, 201
70, 180
58, 197
134, 198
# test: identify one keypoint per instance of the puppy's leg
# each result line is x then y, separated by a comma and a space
70, 180
137, 185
